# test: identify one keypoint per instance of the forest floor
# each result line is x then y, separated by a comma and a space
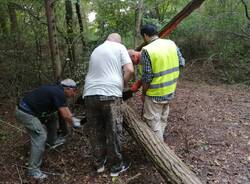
209, 129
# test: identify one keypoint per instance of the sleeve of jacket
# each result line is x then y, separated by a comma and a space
147, 74
180, 57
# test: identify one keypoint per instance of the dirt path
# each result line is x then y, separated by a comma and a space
209, 129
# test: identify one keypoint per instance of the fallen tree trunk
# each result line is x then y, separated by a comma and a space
171, 168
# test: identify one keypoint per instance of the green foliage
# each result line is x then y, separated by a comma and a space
113, 16
160, 12
218, 29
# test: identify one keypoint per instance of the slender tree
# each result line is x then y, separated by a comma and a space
79, 17
3, 20
53, 44
14, 25
138, 20
70, 33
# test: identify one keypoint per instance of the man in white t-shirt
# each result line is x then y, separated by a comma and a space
110, 69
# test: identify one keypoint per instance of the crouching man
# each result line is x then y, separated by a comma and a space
39, 107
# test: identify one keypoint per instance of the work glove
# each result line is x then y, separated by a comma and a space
76, 122
135, 86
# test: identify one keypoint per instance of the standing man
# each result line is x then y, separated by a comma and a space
39, 107
160, 61
110, 69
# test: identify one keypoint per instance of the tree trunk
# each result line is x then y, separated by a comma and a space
53, 44
79, 17
15, 38
186, 11
3, 21
138, 17
38, 56
70, 32
171, 168
14, 26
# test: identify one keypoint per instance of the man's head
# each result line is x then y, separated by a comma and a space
114, 37
135, 56
148, 31
69, 87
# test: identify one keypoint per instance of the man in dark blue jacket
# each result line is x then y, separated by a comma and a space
39, 107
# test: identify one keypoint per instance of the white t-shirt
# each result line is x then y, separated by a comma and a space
105, 74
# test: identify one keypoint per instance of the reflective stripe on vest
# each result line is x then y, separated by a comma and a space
165, 67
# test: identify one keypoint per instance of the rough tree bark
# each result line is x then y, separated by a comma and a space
138, 17
3, 21
171, 168
70, 32
79, 17
14, 26
187, 10
53, 44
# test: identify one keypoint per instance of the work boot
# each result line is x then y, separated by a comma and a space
76, 122
58, 142
100, 167
117, 169
37, 174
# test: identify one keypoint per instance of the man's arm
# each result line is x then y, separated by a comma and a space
147, 74
66, 115
128, 72
145, 87
180, 57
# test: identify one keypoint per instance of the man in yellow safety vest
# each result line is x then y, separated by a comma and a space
160, 60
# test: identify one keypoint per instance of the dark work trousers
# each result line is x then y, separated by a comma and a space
63, 127
51, 123
104, 120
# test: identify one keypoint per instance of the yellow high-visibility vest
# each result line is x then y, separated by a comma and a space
165, 67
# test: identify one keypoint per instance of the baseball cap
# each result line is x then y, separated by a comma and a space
68, 83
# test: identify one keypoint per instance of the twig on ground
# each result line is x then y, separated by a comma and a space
45, 172
133, 177
23, 131
19, 129
53, 148
20, 178
50, 173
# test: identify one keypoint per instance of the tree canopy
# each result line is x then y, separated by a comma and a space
218, 32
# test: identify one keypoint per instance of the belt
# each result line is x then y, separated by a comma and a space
103, 97
25, 108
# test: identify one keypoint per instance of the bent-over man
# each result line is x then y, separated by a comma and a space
40, 107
